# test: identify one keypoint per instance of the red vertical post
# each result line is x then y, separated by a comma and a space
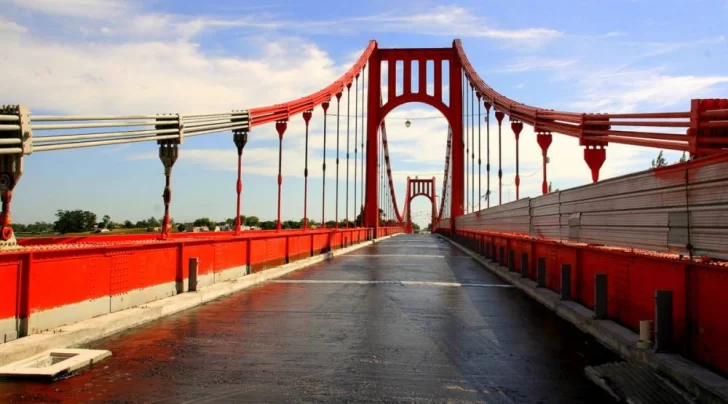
13, 163
336, 197
433, 199
325, 107
499, 115
692, 132
363, 137
544, 141
480, 161
456, 123
281, 129
348, 119
168, 153
407, 207
487, 106
356, 144
5, 218
307, 118
240, 137
371, 215
11, 169
407, 76
517, 127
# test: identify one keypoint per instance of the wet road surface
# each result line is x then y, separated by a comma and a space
410, 319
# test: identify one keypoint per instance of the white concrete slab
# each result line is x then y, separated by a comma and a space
53, 363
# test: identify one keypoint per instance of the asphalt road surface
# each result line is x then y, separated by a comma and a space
410, 319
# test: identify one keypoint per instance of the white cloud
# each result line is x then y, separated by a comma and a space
454, 21
76, 8
450, 21
662, 48
536, 63
158, 77
626, 89
11, 26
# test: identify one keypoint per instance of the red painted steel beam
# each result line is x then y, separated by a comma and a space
572, 123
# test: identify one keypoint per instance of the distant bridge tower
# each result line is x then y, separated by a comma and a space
417, 187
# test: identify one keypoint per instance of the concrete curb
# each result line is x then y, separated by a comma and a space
86, 331
704, 385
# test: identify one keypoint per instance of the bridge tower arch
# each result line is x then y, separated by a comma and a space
377, 110
420, 187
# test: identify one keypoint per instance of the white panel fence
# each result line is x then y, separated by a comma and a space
663, 210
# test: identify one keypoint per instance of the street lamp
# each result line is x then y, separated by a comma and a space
407, 123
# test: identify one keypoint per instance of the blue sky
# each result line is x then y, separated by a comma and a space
161, 56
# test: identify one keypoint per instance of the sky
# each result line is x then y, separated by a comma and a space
165, 56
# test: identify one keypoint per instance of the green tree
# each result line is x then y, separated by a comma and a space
104, 223
415, 227
74, 221
252, 221
311, 223
683, 158
358, 221
141, 224
181, 228
128, 224
268, 225
659, 161
204, 221
41, 227
37, 227
292, 224
153, 222
231, 221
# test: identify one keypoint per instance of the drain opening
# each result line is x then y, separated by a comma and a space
53, 363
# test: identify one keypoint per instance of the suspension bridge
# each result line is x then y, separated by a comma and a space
637, 261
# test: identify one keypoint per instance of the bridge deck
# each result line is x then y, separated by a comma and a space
386, 323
